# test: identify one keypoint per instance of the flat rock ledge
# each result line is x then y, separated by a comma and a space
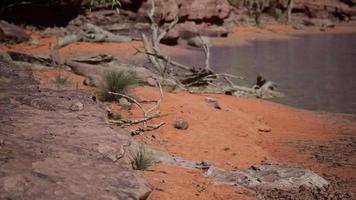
47, 151
266, 177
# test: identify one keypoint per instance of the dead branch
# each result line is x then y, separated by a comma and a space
137, 103
91, 33
129, 122
166, 59
139, 131
22, 57
146, 113
206, 49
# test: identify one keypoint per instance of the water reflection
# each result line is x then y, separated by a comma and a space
316, 72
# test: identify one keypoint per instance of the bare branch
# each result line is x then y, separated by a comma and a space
168, 28
166, 59
136, 121
206, 49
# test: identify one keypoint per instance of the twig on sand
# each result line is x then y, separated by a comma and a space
146, 112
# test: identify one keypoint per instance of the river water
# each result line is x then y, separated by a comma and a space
316, 72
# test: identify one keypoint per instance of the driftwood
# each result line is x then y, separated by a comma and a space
22, 57
91, 33
202, 78
99, 59
162, 64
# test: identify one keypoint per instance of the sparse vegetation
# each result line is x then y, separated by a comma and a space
142, 160
278, 14
102, 3
61, 80
118, 82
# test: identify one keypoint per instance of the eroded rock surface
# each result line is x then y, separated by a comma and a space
48, 151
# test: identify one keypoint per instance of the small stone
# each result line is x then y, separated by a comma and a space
88, 82
212, 102
264, 129
227, 149
78, 106
151, 82
181, 124
199, 41
125, 104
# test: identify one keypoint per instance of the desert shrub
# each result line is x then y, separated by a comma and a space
61, 80
118, 82
142, 160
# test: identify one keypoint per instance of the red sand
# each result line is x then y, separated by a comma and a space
229, 138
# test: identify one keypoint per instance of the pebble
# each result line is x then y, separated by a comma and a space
78, 106
181, 124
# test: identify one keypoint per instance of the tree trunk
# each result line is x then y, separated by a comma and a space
289, 10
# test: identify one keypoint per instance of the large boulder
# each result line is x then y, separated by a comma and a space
191, 29
204, 9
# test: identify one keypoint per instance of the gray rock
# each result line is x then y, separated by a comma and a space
199, 41
89, 82
125, 104
181, 124
212, 102
266, 176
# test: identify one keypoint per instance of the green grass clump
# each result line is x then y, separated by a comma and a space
142, 160
117, 82
61, 80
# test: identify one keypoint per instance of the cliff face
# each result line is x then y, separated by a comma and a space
187, 9
342, 9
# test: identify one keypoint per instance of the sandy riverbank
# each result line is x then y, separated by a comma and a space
242, 133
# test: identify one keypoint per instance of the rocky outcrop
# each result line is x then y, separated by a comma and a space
197, 17
10, 32
322, 9
201, 10
326, 8
48, 151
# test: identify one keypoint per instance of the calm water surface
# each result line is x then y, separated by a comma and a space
316, 72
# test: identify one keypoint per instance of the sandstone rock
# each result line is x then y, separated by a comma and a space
57, 156
199, 10
77, 106
322, 23
191, 29
204, 9
181, 124
10, 32
214, 31
111, 152
324, 9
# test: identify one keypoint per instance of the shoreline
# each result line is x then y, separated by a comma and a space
244, 132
